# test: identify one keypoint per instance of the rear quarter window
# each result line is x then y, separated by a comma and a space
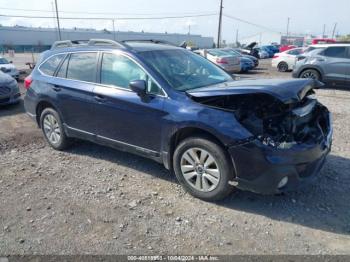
50, 65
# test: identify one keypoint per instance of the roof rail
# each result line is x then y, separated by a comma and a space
91, 42
155, 41
60, 44
94, 42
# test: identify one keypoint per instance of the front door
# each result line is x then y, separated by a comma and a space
123, 116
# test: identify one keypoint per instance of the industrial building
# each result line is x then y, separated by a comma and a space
24, 39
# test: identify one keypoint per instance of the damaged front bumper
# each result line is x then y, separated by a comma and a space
260, 168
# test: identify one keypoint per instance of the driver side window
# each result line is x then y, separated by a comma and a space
119, 70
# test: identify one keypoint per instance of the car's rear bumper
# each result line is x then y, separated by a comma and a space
231, 68
260, 168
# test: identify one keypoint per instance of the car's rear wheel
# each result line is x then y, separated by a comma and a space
311, 73
282, 67
203, 168
52, 128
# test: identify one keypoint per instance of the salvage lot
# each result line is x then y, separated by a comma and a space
95, 200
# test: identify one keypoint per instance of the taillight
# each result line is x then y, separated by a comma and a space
275, 56
27, 82
221, 60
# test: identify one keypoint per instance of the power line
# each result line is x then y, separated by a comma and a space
109, 18
250, 23
103, 13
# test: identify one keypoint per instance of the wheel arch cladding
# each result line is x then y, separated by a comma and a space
42, 105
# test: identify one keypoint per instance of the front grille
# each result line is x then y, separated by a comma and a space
4, 91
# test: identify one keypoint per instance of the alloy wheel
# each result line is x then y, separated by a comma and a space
52, 129
309, 74
200, 169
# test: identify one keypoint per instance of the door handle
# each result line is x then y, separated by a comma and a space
100, 98
56, 88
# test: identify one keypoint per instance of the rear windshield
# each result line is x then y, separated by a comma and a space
218, 53
184, 70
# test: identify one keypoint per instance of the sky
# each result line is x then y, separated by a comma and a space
267, 18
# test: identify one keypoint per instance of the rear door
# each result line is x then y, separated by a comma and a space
122, 116
335, 63
74, 84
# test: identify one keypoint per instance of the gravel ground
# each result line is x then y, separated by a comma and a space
95, 200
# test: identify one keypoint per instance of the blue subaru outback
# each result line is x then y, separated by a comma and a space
174, 106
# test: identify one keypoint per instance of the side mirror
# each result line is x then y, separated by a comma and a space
139, 87
10, 62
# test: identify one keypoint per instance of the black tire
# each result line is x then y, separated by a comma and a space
310, 73
63, 142
282, 67
223, 189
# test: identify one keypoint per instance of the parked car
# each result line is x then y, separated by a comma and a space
262, 54
271, 50
239, 52
286, 60
246, 63
176, 107
323, 41
251, 50
8, 68
9, 91
330, 65
286, 47
228, 62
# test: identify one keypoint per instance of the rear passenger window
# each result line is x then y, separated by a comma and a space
50, 66
82, 66
336, 51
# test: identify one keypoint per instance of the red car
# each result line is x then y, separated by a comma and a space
323, 41
286, 47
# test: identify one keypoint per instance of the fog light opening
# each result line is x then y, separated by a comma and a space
283, 182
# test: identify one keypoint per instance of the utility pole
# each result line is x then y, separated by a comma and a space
236, 37
58, 22
220, 21
324, 31
113, 29
333, 33
288, 20
189, 29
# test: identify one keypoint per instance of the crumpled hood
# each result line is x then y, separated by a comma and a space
285, 90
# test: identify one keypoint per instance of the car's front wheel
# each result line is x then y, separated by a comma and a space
52, 128
203, 168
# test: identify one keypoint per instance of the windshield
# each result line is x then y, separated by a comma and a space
184, 70
3, 61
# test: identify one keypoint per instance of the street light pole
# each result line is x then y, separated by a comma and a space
288, 26
220, 21
58, 21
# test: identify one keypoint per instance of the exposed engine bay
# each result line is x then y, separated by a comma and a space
273, 122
